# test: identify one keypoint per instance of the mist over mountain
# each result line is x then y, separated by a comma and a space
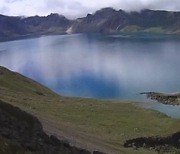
78, 8
106, 20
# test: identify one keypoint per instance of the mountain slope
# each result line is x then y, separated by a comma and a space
109, 20
22, 133
93, 124
13, 81
12, 27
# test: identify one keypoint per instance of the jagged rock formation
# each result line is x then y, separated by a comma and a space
109, 20
106, 20
26, 131
161, 144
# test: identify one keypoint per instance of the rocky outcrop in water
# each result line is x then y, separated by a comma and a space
170, 99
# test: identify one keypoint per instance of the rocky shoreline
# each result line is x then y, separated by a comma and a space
168, 144
168, 99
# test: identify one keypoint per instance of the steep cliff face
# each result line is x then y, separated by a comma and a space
110, 20
36, 25
53, 23
100, 21
10, 26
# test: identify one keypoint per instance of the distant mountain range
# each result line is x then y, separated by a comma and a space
106, 20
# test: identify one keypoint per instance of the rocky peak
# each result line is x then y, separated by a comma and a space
56, 16
105, 12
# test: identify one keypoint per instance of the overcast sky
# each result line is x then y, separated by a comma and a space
78, 8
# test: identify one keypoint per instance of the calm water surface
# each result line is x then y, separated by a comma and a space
100, 66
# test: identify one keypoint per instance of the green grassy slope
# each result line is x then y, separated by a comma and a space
158, 29
16, 82
91, 123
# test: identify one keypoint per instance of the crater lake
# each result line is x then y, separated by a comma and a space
100, 65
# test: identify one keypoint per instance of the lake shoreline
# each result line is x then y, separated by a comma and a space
90, 123
131, 35
96, 65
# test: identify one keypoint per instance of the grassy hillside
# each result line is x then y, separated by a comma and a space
15, 82
21, 132
94, 124
157, 29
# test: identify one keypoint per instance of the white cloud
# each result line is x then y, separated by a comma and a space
77, 8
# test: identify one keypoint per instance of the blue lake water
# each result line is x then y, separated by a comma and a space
99, 66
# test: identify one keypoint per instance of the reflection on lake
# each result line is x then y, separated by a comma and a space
101, 66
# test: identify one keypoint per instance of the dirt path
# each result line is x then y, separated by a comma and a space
73, 137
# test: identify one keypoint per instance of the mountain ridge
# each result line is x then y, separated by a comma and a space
106, 20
